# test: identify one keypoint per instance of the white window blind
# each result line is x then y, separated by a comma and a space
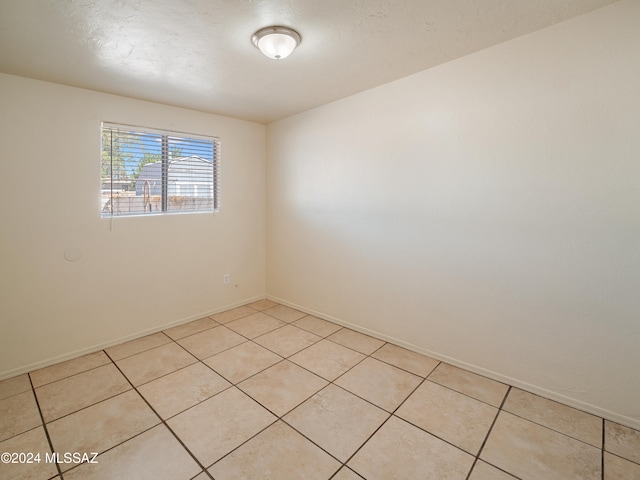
148, 171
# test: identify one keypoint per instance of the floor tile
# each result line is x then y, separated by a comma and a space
277, 453
33, 441
68, 368
389, 413
233, 314
469, 383
79, 391
400, 450
286, 314
406, 359
151, 364
13, 386
621, 440
18, 414
282, 387
241, 362
202, 476
316, 325
616, 468
102, 426
484, 471
262, 305
346, 473
138, 345
449, 415
383, 385
137, 459
287, 340
337, 421
216, 426
212, 341
327, 359
190, 328
531, 452
254, 325
173, 393
356, 341
553, 415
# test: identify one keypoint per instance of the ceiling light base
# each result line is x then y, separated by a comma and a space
276, 42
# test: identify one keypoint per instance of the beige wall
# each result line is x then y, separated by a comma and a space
486, 211
136, 275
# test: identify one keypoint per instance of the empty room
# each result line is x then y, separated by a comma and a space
355, 239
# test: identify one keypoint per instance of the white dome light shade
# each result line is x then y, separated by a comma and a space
276, 42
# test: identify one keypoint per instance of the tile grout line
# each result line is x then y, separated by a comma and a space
232, 384
463, 369
278, 418
162, 421
622, 458
327, 338
602, 451
426, 379
141, 351
248, 439
70, 375
466, 394
281, 417
92, 404
550, 428
499, 408
75, 466
391, 414
287, 358
553, 429
486, 438
44, 425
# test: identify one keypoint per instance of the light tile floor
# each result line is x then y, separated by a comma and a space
264, 391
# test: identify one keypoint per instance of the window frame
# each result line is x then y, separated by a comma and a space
205, 147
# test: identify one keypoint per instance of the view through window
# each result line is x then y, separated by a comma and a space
151, 171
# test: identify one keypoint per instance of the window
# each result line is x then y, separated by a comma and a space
150, 171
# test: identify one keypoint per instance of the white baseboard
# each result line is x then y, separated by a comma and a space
101, 346
549, 394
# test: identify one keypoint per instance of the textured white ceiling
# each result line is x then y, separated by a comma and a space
198, 53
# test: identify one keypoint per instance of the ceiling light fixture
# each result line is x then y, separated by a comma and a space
276, 42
